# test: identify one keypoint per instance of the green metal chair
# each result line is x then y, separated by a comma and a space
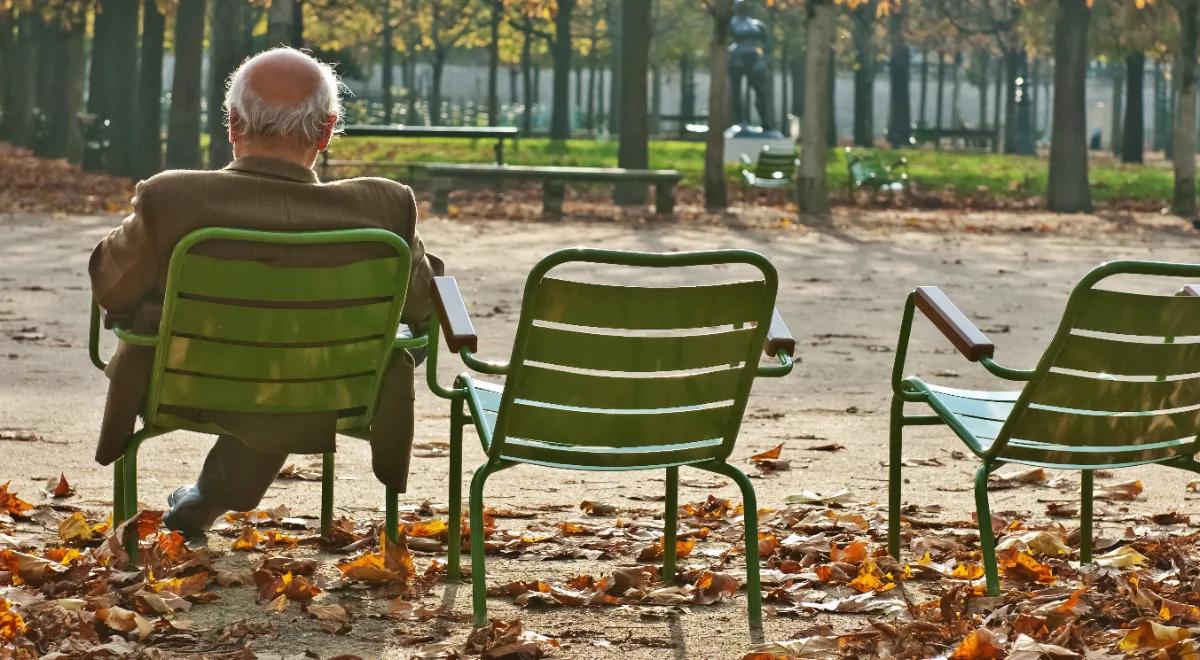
610, 377
866, 169
773, 170
1112, 390
242, 336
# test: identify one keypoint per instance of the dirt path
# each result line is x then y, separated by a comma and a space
841, 292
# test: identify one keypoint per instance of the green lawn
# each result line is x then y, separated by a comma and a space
960, 174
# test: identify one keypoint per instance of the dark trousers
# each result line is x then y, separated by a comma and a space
236, 476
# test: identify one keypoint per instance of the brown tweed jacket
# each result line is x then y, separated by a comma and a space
129, 271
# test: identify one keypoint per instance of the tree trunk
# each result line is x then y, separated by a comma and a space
922, 116
1011, 73
997, 101
941, 91
798, 65
298, 23
561, 49
831, 128
526, 83
183, 122
864, 76
785, 69
655, 99
1134, 132
8, 69
1118, 97
616, 39
124, 26
1067, 190
955, 89
1184, 147
1034, 76
224, 57
900, 112
812, 190
387, 59
64, 35
280, 28
435, 85
148, 137
985, 67
715, 193
591, 94
44, 62
1160, 107
687, 93
513, 75
633, 146
493, 48
99, 88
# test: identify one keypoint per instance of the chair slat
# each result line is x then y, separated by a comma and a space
1123, 313
1074, 391
1075, 429
981, 408
630, 307
1066, 456
597, 391
249, 280
585, 350
224, 395
607, 428
274, 363
602, 458
1122, 358
279, 326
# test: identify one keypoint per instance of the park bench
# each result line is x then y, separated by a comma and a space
569, 400
498, 133
553, 179
1112, 390
866, 169
969, 138
774, 170
242, 336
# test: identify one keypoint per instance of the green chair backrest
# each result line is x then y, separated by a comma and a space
1116, 386
775, 164
262, 335
606, 376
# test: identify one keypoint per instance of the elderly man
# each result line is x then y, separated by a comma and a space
282, 108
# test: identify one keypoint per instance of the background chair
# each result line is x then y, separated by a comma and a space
1113, 389
613, 377
774, 170
243, 336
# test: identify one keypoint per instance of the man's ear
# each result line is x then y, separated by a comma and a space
326, 133
235, 130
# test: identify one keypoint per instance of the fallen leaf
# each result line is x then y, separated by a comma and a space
999, 480
11, 504
1123, 557
1125, 491
770, 454
11, 623
1026, 648
1151, 635
59, 488
982, 644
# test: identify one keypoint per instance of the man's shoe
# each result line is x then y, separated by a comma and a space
190, 514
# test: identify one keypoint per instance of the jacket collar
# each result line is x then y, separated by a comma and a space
273, 167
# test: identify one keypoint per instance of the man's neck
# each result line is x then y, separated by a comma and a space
304, 158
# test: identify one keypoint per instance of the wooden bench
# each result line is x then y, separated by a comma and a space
553, 182
497, 133
968, 137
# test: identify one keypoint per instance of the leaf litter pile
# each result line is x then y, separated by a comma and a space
824, 567
40, 185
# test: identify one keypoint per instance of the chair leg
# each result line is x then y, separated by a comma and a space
750, 518
130, 499
454, 540
478, 578
391, 514
670, 525
895, 458
119, 515
987, 541
1085, 512
327, 470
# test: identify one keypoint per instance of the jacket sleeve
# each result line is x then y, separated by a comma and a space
124, 265
417, 304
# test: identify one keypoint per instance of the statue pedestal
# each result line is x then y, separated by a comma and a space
750, 140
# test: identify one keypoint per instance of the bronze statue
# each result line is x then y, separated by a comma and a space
747, 59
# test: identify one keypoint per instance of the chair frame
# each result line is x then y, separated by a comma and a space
854, 156
125, 503
976, 347
465, 409
752, 180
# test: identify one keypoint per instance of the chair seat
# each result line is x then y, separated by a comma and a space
761, 182
484, 399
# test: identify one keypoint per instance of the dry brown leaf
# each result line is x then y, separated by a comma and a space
1151, 635
982, 644
11, 504
59, 488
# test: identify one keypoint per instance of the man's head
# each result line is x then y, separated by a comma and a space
282, 103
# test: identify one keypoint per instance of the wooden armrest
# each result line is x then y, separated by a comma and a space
452, 313
779, 338
1190, 290
968, 339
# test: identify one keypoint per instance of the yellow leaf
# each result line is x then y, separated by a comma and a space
979, 645
1123, 557
1151, 635
11, 623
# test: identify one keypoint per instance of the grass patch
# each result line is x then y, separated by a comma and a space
955, 173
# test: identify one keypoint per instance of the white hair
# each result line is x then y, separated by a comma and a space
257, 117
